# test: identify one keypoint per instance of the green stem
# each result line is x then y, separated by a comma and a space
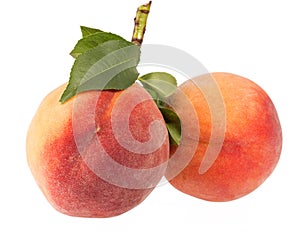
140, 22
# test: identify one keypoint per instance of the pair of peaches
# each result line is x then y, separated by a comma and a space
101, 153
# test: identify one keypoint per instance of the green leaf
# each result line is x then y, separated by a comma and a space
153, 94
86, 31
173, 124
162, 83
109, 66
91, 41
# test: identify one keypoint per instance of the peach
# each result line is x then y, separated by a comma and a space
240, 127
99, 154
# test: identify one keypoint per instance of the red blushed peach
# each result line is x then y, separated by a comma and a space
246, 141
99, 154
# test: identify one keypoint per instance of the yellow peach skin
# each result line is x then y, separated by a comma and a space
80, 160
251, 143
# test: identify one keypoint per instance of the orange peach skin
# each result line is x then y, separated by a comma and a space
252, 141
67, 182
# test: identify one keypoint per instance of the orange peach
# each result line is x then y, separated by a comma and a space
239, 141
99, 154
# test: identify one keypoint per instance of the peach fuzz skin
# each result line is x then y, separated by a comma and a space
66, 180
252, 141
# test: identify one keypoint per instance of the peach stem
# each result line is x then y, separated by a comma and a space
140, 22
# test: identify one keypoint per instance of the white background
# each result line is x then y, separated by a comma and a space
256, 39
